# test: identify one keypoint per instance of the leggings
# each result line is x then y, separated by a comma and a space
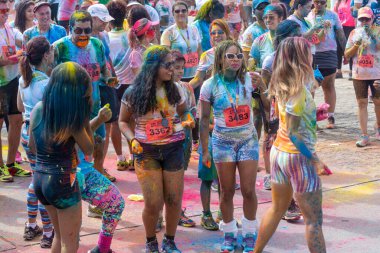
340, 51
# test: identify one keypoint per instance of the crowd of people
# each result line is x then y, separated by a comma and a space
174, 77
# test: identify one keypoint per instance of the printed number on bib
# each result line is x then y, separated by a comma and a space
154, 130
242, 118
191, 60
93, 69
8, 51
366, 61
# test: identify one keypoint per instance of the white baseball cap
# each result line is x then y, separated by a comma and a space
100, 11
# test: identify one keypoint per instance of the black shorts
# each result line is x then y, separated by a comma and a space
169, 157
56, 190
8, 99
327, 71
108, 96
120, 92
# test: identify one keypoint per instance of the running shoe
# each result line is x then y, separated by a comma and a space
94, 212
18, 158
214, 186
293, 213
331, 123
237, 186
219, 217
5, 176
208, 222
363, 141
249, 242
229, 245
195, 145
160, 224
17, 171
267, 182
97, 250
185, 221
377, 135
122, 165
131, 165
152, 247
46, 242
168, 246
108, 176
339, 75
31, 233
350, 76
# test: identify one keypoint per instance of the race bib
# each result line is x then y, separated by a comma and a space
366, 61
191, 60
8, 51
314, 39
154, 129
240, 119
93, 69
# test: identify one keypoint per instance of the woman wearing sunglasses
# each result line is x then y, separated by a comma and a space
326, 51
157, 142
363, 47
234, 140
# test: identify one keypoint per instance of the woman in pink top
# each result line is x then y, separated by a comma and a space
343, 9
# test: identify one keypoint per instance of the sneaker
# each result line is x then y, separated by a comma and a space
19, 159
160, 224
195, 145
377, 135
214, 186
168, 246
46, 242
219, 217
331, 123
108, 176
237, 186
350, 76
208, 223
97, 250
339, 75
131, 166
293, 213
31, 233
5, 176
94, 212
363, 141
152, 247
17, 171
185, 221
249, 242
267, 182
122, 165
229, 244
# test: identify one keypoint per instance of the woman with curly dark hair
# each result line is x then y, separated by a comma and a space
24, 15
157, 142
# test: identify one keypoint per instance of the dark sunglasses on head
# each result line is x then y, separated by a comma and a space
182, 10
219, 32
320, 2
232, 56
167, 65
364, 19
79, 30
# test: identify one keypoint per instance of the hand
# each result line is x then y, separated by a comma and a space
112, 81
257, 81
206, 159
136, 147
105, 113
321, 168
358, 42
189, 122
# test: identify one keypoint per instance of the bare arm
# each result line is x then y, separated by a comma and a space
85, 139
20, 104
204, 125
198, 79
352, 51
341, 38
125, 117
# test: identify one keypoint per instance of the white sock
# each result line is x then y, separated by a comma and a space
120, 158
249, 226
48, 234
330, 114
31, 225
229, 227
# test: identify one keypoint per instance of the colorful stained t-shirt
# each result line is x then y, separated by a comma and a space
366, 63
228, 121
54, 33
203, 30
206, 62
92, 58
153, 128
120, 54
164, 10
187, 42
376, 11
261, 48
302, 106
329, 43
32, 94
8, 49
305, 27
232, 11
344, 13
250, 34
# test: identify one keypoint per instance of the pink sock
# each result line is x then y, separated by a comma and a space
104, 243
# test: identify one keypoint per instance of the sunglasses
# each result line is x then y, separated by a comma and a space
4, 11
219, 32
320, 2
181, 11
232, 56
79, 30
167, 65
364, 19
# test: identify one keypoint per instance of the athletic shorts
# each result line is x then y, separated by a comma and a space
227, 149
108, 96
168, 157
8, 99
294, 169
327, 71
56, 189
361, 89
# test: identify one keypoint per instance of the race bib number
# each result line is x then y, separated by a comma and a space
8, 51
191, 60
366, 61
93, 69
154, 129
240, 119
314, 39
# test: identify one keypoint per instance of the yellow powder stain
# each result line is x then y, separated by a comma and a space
364, 189
79, 15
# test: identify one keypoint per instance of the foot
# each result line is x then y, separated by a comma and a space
160, 224
293, 213
229, 244
185, 221
17, 171
168, 246
208, 222
97, 250
94, 212
122, 165
363, 141
152, 247
46, 242
5, 175
331, 123
214, 186
377, 135
350, 76
267, 182
339, 75
108, 176
237, 186
31, 233
249, 242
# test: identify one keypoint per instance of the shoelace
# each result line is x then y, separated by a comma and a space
170, 244
249, 241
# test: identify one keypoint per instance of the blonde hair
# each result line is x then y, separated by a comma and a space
292, 69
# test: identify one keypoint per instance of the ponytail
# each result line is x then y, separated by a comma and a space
133, 39
25, 70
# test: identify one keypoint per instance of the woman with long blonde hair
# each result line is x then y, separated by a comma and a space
294, 162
